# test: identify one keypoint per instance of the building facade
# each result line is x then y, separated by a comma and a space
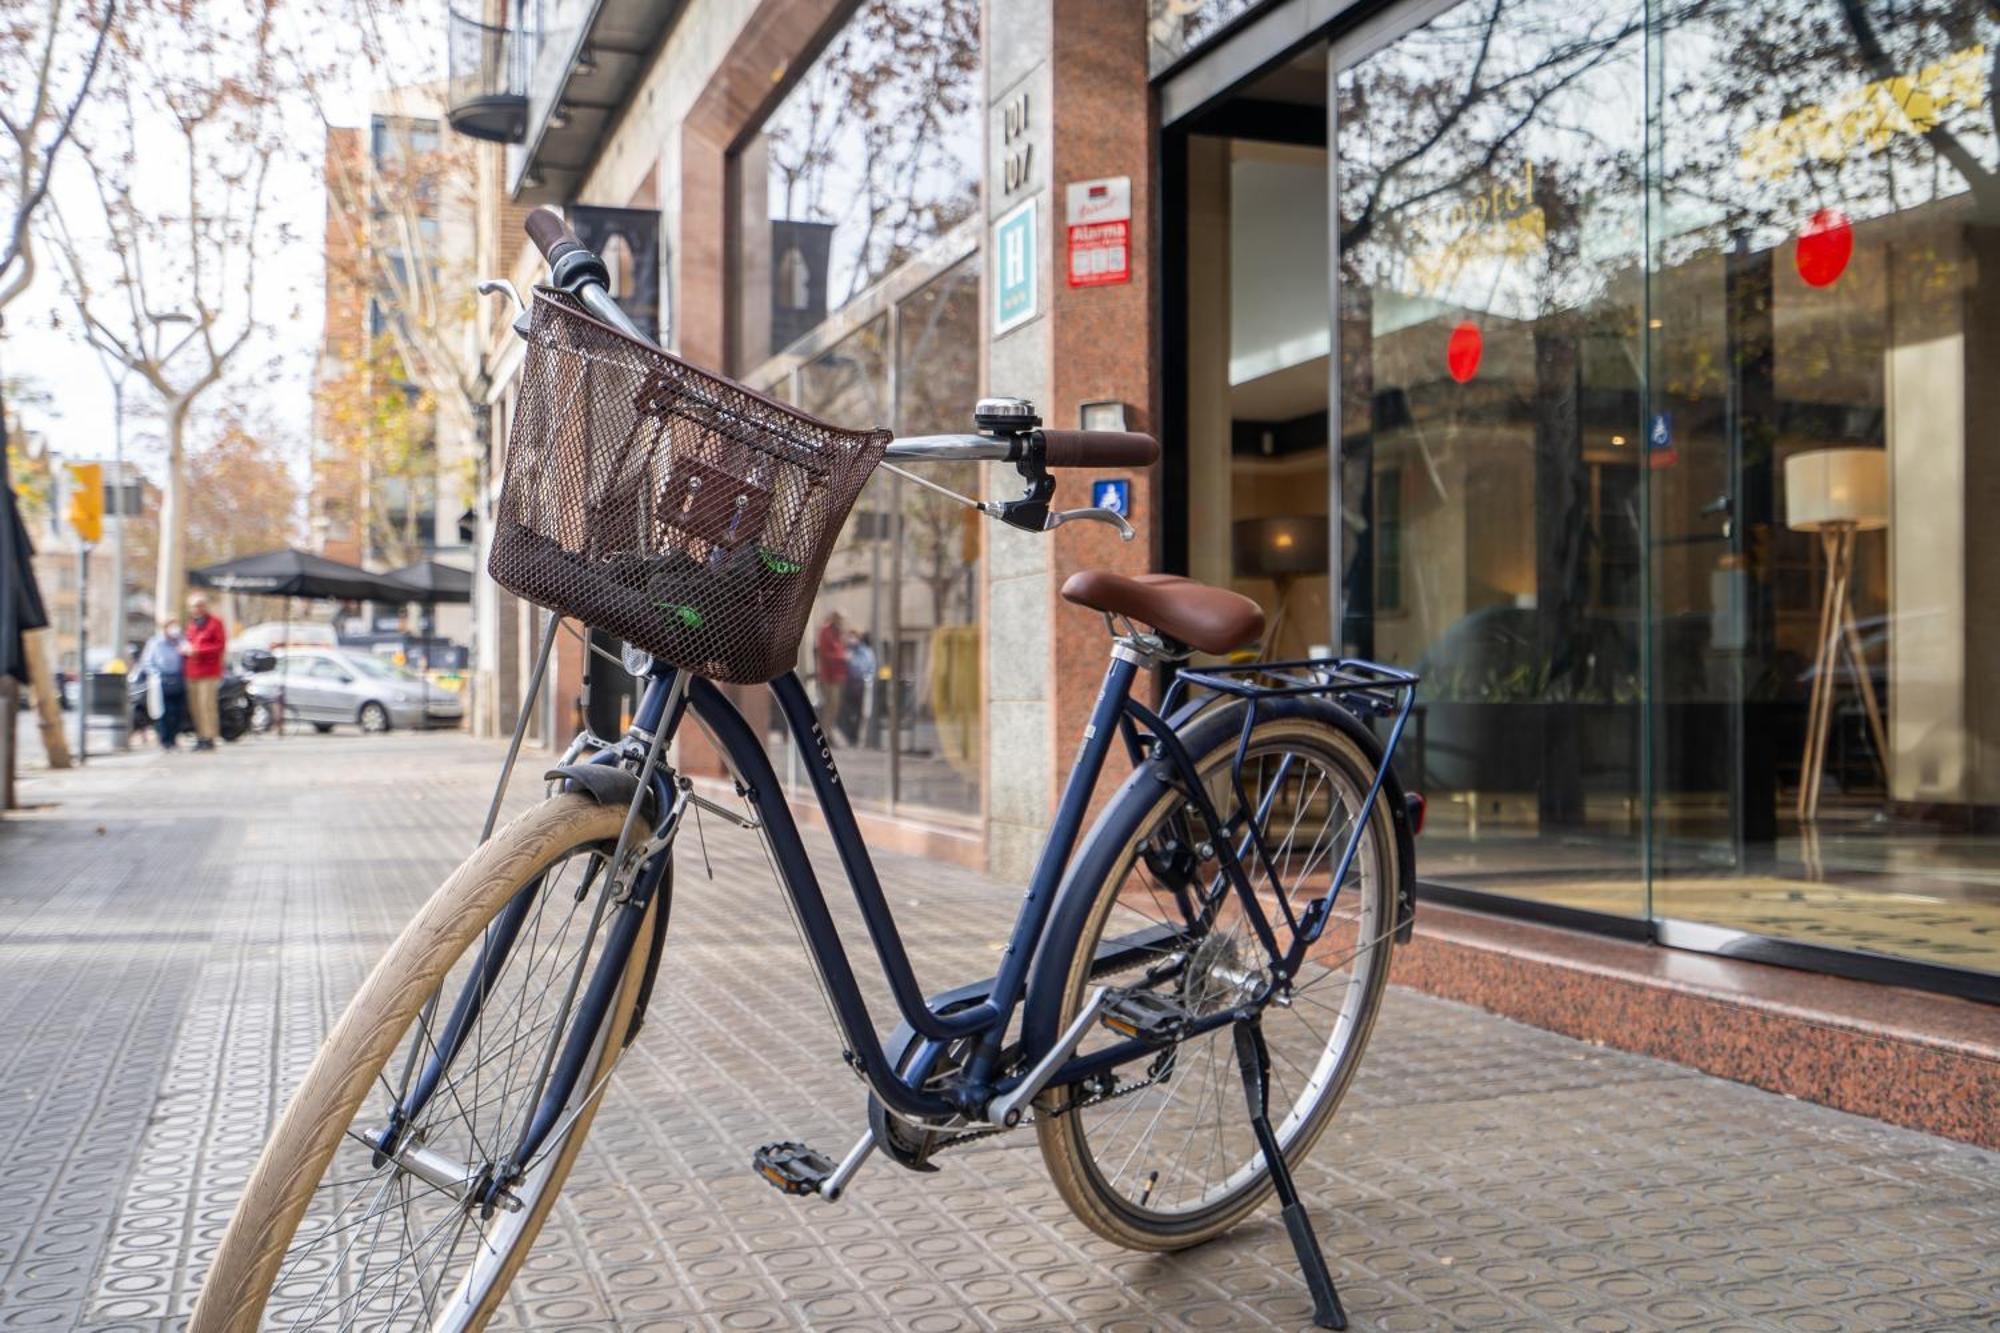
1612, 365
394, 443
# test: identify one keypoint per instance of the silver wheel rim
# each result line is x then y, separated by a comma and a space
1182, 1148
380, 1247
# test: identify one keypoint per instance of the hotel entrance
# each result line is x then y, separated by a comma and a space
1646, 429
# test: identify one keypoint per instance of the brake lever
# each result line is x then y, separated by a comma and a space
487, 286
1093, 514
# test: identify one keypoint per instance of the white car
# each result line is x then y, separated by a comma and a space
331, 686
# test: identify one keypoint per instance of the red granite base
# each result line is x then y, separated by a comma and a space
1925, 1061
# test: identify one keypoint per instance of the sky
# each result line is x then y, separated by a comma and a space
275, 368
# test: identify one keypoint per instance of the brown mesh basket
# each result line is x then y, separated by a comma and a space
676, 509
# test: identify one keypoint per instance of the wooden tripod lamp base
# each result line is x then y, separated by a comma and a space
1838, 493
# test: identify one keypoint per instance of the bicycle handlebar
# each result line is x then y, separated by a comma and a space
551, 235
1052, 448
1098, 448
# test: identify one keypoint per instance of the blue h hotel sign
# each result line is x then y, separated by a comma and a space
1014, 268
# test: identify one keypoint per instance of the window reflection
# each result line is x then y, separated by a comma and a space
873, 154
1664, 430
1488, 239
892, 656
1826, 307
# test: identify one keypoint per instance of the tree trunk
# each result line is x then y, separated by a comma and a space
170, 576
35, 645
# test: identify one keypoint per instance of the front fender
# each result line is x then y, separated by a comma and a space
606, 784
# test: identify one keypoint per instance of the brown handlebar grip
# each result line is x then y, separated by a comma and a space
1098, 448
547, 230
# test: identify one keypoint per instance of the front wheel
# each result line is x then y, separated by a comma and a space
332, 1234
374, 718
1165, 1157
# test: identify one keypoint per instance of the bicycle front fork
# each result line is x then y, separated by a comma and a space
562, 1066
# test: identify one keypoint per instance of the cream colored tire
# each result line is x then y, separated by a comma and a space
1085, 1164
370, 1034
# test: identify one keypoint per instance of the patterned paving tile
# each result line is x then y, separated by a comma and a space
176, 936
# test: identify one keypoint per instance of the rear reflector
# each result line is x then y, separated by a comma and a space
1416, 805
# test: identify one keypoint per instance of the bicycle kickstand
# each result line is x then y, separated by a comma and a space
1253, 1059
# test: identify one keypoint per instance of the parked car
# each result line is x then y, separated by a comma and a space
329, 687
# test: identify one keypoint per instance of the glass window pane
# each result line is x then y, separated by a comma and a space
1488, 241
936, 650
1825, 567
839, 659
875, 152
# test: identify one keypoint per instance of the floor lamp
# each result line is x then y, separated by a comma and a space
1837, 493
1282, 550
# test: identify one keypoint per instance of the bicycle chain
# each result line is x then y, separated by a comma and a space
957, 1141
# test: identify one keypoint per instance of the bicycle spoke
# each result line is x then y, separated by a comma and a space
1184, 1143
383, 1247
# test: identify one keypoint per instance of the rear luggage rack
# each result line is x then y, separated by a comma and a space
1365, 689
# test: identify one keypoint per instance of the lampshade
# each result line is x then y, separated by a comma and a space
1271, 547
1831, 488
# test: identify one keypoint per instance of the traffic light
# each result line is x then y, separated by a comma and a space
86, 501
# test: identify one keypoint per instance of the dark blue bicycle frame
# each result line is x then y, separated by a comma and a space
982, 1013
1116, 713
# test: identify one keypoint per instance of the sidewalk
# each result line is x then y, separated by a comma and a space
177, 931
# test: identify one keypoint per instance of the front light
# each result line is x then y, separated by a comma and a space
638, 661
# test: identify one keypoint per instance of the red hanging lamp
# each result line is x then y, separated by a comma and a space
1824, 248
1462, 351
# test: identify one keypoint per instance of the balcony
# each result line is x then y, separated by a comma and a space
585, 61
487, 97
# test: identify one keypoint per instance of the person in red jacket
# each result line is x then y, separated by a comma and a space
830, 666
206, 638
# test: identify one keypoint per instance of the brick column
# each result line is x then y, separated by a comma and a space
1067, 100
1103, 339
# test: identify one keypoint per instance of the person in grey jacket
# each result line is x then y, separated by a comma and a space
162, 657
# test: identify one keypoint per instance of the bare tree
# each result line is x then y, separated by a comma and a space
40, 124
39, 63
163, 278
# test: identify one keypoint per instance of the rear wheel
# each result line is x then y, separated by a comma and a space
1166, 1157
329, 1232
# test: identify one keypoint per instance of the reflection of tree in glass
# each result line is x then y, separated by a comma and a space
938, 361
1775, 110
1440, 132
881, 136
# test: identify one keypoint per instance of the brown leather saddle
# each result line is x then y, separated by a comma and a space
1207, 619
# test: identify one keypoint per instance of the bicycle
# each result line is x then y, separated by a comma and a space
1223, 930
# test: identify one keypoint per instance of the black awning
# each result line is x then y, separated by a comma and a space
289, 573
432, 581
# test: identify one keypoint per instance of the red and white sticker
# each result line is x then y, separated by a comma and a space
1100, 231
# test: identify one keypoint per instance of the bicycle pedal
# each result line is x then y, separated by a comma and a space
1145, 1014
792, 1167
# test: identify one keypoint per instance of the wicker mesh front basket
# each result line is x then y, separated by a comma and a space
676, 509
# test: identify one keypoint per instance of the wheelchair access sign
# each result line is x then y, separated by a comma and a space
1114, 494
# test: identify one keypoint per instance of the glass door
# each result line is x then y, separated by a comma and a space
1825, 310
1488, 242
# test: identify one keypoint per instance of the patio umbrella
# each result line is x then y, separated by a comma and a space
288, 573
432, 581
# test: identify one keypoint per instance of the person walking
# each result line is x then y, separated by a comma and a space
861, 666
166, 691
830, 667
206, 640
